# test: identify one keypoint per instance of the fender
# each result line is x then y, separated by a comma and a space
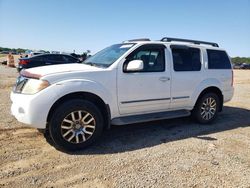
84, 85
211, 82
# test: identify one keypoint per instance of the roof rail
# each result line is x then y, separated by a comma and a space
168, 39
134, 40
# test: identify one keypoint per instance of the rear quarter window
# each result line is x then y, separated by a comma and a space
218, 60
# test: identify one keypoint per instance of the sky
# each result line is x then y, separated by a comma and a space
80, 25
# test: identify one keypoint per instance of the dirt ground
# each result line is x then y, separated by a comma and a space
169, 153
3, 57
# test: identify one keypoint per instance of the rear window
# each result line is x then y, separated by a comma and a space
186, 59
218, 60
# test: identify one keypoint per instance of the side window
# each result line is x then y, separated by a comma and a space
218, 60
38, 58
152, 56
69, 59
186, 59
55, 58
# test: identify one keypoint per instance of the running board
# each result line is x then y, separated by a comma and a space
149, 117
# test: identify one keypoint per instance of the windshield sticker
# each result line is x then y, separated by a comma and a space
127, 46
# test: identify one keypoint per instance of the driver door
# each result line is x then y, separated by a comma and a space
147, 90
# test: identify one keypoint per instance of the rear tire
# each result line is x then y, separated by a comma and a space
75, 125
206, 108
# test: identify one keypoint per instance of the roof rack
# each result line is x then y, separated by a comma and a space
134, 40
168, 39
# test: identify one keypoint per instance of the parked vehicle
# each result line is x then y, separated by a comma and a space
135, 81
45, 59
245, 66
237, 66
36, 53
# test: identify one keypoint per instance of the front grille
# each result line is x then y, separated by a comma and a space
20, 83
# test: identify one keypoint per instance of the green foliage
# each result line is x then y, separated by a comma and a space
237, 60
16, 50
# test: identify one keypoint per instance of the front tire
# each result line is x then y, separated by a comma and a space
206, 108
75, 125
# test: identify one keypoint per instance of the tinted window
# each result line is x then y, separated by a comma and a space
55, 58
69, 59
186, 59
152, 57
38, 58
218, 60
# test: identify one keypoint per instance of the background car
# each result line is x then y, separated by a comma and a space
44, 60
237, 66
245, 66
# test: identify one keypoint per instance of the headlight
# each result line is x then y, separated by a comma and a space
33, 86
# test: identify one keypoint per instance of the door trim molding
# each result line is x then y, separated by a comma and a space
145, 100
181, 97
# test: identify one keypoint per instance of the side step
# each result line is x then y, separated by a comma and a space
149, 117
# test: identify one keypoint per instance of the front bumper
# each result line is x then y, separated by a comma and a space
33, 109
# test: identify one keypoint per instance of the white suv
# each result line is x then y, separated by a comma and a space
135, 81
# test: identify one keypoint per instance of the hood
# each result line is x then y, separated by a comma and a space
39, 72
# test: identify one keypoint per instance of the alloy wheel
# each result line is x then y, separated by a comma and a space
208, 108
78, 126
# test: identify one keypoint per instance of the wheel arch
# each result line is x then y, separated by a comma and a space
212, 89
104, 108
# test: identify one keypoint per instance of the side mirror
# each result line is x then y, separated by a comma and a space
135, 65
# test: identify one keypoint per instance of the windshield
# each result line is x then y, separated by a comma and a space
108, 56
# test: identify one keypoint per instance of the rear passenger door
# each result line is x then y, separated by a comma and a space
186, 74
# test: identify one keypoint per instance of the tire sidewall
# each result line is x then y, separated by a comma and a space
62, 111
197, 109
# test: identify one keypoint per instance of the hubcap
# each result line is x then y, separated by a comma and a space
208, 108
78, 126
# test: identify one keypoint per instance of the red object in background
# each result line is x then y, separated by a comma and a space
24, 61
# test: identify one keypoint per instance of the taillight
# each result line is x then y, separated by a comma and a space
24, 61
232, 81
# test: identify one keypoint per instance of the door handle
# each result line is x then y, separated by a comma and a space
164, 79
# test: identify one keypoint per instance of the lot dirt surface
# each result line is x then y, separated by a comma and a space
3, 57
169, 153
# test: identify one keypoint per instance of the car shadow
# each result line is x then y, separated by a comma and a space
144, 135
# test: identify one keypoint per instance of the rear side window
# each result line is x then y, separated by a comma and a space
218, 60
69, 59
55, 58
186, 59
